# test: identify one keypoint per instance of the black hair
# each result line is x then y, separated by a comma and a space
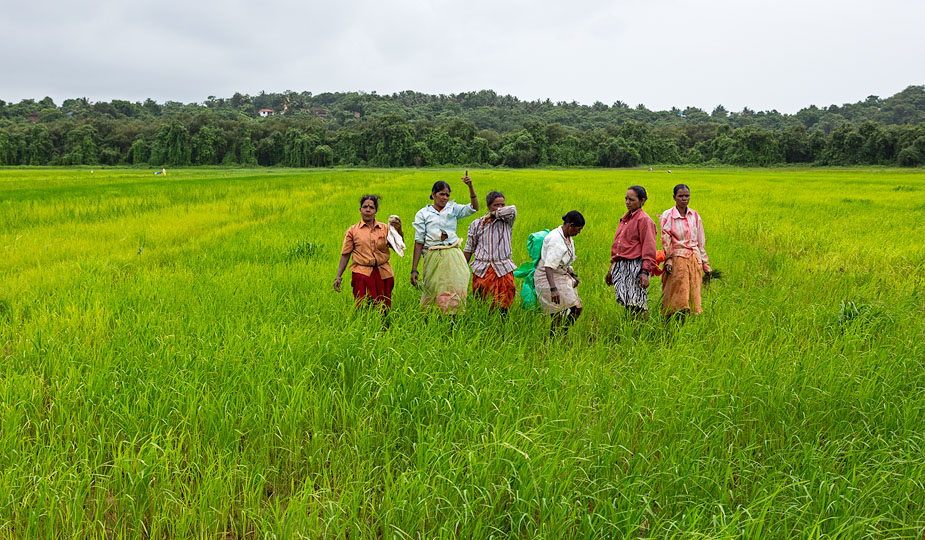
640, 192
679, 187
492, 195
575, 218
370, 197
439, 185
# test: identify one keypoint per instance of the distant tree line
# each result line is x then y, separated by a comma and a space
477, 128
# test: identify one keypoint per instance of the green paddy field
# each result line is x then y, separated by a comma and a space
176, 364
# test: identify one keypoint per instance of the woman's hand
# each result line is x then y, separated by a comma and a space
644, 280
554, 296
608, 277
395, 221
337, 281
706, 268
414, 278
668, 266
466, 180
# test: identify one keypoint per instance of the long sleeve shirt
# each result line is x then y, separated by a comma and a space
635, 239
684, 236
368, 248
430, 225
489, 242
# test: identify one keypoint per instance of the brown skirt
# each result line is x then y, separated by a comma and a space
681, 288
500, 290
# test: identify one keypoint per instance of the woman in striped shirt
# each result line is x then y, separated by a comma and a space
488, 251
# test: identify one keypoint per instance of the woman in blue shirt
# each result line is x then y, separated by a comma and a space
445, 280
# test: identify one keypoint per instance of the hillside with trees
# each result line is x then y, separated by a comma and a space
474, 128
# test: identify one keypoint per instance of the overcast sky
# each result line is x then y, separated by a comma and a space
781, 54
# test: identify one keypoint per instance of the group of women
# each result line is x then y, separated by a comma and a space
487, 256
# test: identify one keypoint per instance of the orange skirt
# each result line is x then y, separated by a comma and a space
681, 288
499, 289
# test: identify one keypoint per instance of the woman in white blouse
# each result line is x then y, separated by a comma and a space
555, 279
445, 280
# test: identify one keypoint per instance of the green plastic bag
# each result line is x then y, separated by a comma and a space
526, 270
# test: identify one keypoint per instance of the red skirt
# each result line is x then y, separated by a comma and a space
372, 288
500, 290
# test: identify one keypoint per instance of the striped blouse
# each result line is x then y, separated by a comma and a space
490, 244
684, 236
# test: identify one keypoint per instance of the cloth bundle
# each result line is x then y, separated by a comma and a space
395, 235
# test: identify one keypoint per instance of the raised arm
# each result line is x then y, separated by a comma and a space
473, 198
507, 213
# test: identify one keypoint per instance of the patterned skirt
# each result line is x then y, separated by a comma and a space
625, 276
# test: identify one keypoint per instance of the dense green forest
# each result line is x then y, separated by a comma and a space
473, 128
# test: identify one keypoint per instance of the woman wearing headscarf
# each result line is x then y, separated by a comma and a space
445, 279
686, 260
488, 250
632, 255
555, 279
367, 243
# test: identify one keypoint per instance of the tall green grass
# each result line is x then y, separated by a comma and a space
176, 364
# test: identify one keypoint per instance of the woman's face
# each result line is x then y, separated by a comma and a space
441, 198
368, 210
570, 229
682, 197
496, 204
633, 202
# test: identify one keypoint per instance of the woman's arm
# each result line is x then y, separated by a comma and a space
473, 198
418, 248
665, 224
341, 266
472, 239
551, 278
702, 244
647, 234
507, 213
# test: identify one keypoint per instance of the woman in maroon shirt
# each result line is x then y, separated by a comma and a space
632, 255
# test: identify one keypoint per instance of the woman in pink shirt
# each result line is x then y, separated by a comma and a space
685, 255
632, 255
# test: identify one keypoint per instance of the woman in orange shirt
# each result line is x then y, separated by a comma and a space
367, 242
